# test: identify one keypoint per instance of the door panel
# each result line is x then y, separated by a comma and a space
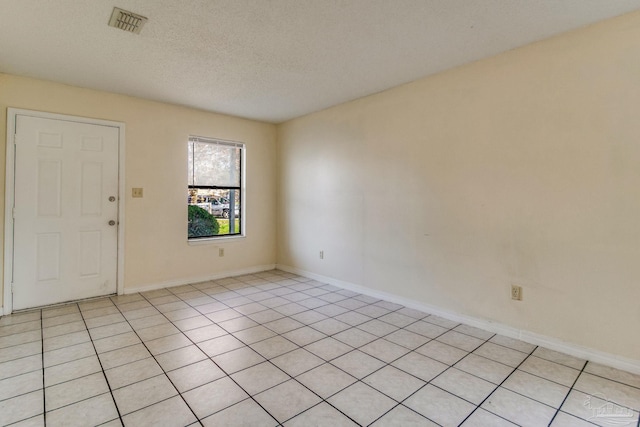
48, 191
64, 247
48, 256
91, 191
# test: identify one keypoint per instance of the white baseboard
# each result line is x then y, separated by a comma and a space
596, 356
190, 280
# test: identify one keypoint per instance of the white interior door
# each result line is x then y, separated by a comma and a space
66, 211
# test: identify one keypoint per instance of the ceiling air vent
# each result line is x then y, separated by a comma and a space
127, 21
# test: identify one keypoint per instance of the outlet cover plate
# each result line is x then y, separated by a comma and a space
516, 292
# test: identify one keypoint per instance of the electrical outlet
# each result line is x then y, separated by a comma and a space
136, 192
321, 254
516, 292
220, 251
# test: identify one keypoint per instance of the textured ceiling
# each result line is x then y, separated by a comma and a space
272, 60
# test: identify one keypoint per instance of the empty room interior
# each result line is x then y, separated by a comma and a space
320, 213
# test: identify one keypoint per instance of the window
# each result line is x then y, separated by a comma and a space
214, 195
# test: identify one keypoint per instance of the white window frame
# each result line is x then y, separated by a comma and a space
243, 193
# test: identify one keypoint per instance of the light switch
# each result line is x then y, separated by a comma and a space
136, 192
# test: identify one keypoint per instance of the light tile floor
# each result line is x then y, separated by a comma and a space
276, 349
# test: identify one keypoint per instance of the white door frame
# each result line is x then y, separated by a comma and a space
10, 190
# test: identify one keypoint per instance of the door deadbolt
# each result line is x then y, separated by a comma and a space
112, 223
112, 199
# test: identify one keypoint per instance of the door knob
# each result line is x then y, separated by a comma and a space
112, 199
112, 222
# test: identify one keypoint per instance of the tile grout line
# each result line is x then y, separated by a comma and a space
251, 396
431, 339
247, 296
24, 343
104, 374
328, 317
533, 375
549, 379
449, 367
409, 349
177, 295
86, 328
385, 364
358, 380
608, 379
322, 400
497, 387
208, 357
294, 378
568, 393
431, 380
156, 360
266, 360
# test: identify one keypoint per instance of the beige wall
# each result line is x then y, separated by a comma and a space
156, 249
523, 168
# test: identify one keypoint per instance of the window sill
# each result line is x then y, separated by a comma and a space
211, 240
